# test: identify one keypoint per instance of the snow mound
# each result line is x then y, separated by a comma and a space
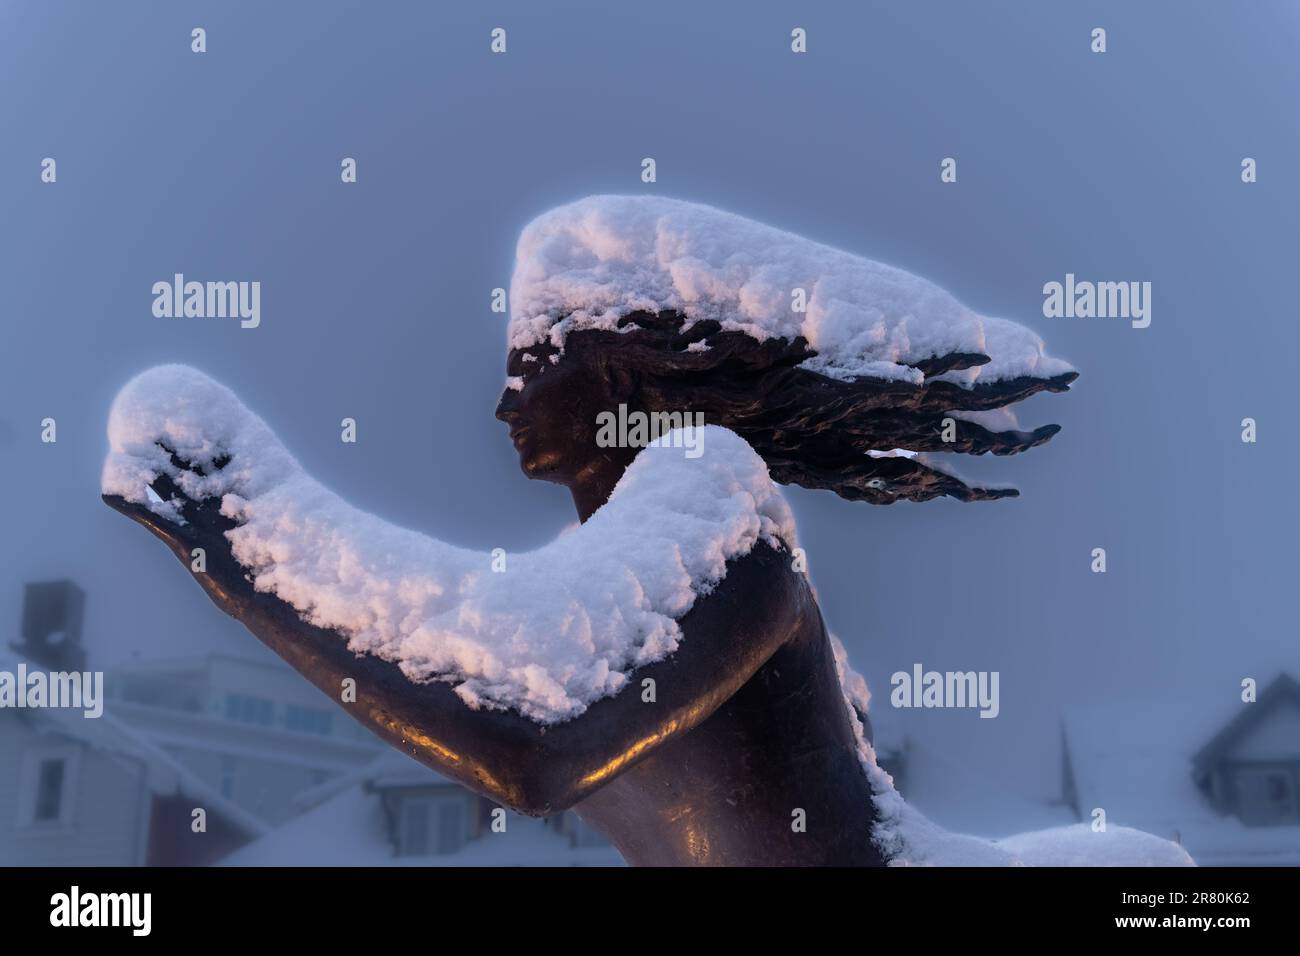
587, 264
559, 628
908, 838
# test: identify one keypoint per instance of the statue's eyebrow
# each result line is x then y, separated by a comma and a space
525, 363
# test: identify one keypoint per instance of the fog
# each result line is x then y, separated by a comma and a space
375, 296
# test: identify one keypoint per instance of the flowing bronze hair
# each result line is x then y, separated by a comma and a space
813, 430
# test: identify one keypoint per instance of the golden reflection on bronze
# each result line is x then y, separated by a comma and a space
672, 816
423, 742
697, 845
619, 762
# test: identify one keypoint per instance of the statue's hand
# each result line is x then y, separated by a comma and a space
200, 543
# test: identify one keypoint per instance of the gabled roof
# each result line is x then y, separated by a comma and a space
390, 768
195, 662
1132, 758
165, 776
1284, 689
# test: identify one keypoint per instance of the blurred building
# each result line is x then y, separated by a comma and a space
952, 790
1225, 783
92, 791
269, 741
253, 730
250, 742
397, 812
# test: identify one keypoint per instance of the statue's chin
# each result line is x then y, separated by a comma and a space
542, 466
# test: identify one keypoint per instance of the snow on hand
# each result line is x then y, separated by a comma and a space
587, 264
561, 628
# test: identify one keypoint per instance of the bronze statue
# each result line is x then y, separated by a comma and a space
750, 722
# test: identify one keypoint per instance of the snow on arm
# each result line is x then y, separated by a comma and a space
591, 262
560, 628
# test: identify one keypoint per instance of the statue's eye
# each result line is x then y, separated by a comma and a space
526, 366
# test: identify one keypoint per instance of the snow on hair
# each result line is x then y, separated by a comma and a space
699, 301
813, 430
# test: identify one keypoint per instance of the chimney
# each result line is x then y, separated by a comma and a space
52, 615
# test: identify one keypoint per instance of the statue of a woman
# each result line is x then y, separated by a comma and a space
721, 725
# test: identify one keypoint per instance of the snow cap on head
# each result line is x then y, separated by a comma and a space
587, 264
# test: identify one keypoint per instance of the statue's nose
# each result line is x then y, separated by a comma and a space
508, 407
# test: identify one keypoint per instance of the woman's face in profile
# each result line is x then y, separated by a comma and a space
552, 418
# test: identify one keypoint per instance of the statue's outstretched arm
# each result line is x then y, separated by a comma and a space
459, 690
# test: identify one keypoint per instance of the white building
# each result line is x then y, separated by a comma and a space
253, 730
253, 745
1235, 801
92, 791
82, 791
397, 812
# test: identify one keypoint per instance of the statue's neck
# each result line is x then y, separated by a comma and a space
593, 485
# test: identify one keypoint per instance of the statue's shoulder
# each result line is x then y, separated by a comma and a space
764, 591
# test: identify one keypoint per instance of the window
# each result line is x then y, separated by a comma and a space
1266, 795
431, 825
249, 710
49, 791
1278, 787
47, 786
308, 720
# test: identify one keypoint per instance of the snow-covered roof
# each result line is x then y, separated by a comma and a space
1133, 759
1283, 693
395, 770
195, 663
589, 263
165, 776
908, 837
560, 628
960, 797
390, 767
351, 812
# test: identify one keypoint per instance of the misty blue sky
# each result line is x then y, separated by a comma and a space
375, 296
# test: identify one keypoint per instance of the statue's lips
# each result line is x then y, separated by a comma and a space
517, 435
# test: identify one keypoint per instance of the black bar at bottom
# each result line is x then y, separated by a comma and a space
336, 905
